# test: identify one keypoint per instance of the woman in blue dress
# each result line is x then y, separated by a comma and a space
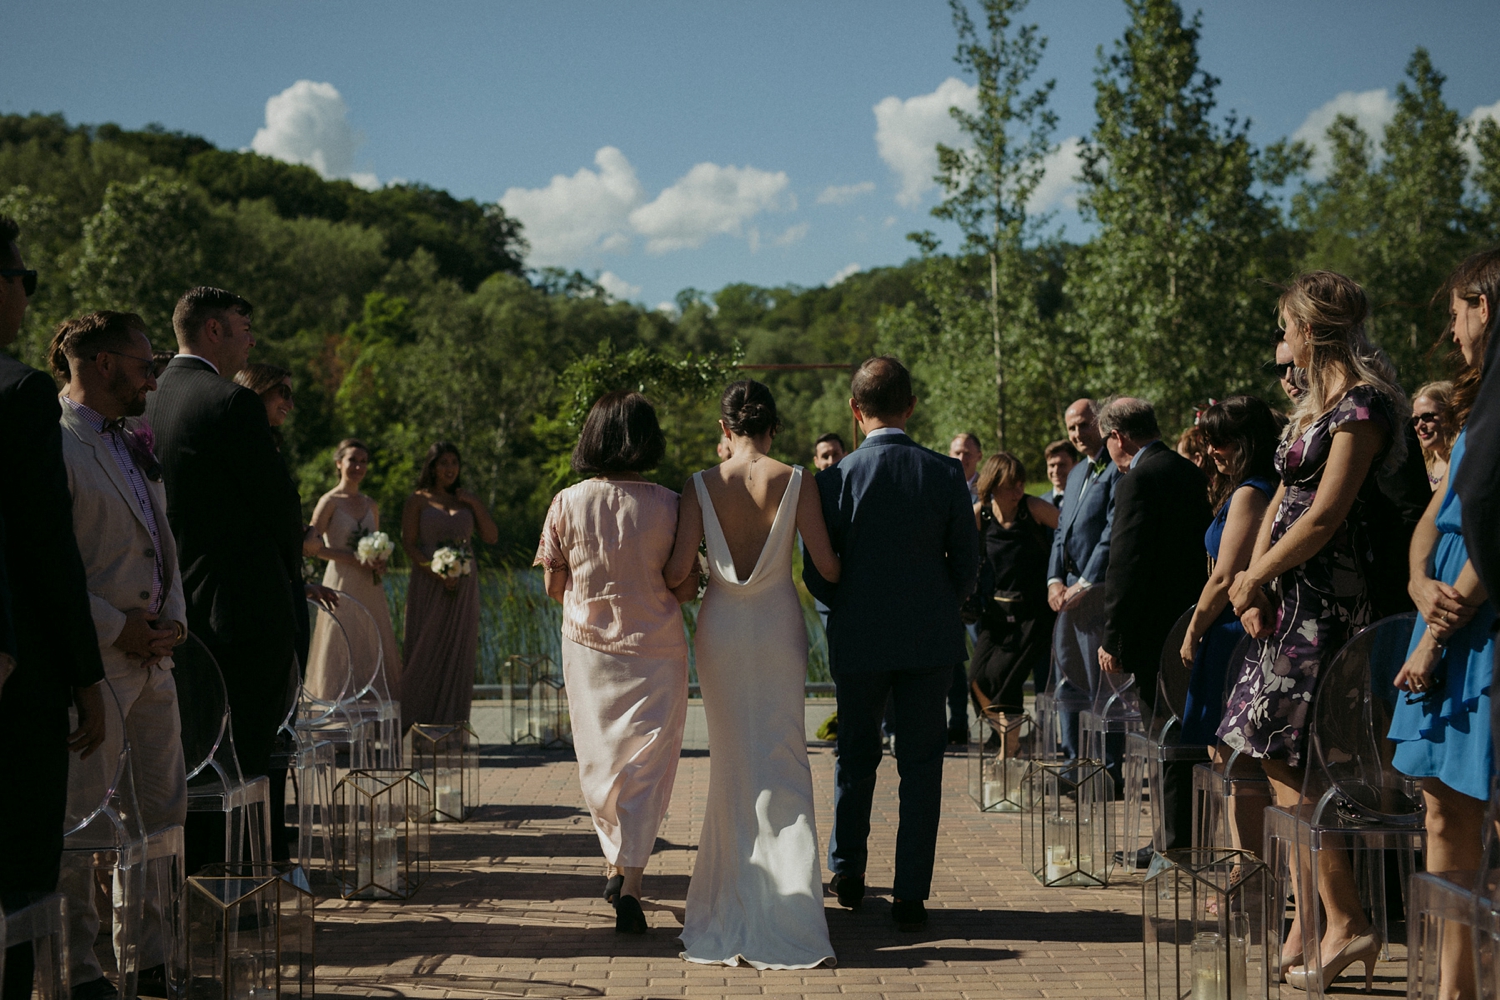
1442, 726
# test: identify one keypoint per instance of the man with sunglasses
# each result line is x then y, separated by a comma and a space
1286, 370
57, 660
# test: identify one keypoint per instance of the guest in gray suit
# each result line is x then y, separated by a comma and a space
900, 519
1080, 547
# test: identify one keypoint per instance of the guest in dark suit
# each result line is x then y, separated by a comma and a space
902, 524
57, 659
236, 517
1156, 567
1080, 552
1478, 481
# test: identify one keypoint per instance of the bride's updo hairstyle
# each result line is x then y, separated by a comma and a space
621, 434
749, 409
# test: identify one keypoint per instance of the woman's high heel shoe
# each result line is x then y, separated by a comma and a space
1290, 963
629, 917
1365, 948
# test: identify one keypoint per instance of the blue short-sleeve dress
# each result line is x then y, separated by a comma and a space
1447, 735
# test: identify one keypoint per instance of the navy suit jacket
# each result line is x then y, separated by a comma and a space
1084, 525
901, 522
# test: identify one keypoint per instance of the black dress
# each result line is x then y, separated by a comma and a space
1015, 631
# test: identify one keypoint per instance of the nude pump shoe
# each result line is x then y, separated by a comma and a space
1365, 948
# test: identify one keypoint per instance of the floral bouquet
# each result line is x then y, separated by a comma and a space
453, 561
374, 547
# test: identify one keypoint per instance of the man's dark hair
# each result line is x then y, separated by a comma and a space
83, 338
831, 436
428, 479
621, 434
1061, 448
1130, 416
881, 387
199, 305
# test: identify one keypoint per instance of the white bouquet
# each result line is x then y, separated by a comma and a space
374, 547
452, 561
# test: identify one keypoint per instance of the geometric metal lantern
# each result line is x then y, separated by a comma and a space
999, 754
1065, 833
537, 699
249, 932
1208, 931
448, 758
380, 840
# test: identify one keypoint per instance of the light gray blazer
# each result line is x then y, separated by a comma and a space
113, 541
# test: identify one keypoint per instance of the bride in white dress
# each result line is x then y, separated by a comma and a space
756, 897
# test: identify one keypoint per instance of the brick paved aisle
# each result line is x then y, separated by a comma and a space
513, 910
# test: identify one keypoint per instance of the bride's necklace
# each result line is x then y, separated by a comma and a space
750, 470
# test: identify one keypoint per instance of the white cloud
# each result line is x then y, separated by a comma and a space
308, 123
617, 287
573, 216
1490, 111
907, 133
842, 194
706, 201
1373, 109
1059, 184
669, 309
846, 271
793, 234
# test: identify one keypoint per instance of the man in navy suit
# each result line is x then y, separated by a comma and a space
900, 519
1080, 546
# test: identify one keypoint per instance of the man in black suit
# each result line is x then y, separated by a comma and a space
1157, 567
236, 517
57, 657
901, 521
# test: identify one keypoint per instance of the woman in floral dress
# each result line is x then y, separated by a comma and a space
1307, 588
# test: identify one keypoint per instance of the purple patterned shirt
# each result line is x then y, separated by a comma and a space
113, 437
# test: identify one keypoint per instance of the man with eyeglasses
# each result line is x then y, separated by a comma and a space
135, 590
57, 660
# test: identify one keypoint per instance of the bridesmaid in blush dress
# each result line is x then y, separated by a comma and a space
604, 547
342, 517
442, 615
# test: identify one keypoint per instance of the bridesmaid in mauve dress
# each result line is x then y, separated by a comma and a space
342, 517
624, 652
442, 615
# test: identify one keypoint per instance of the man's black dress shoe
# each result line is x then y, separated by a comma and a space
958, 734
850, 889
909, 914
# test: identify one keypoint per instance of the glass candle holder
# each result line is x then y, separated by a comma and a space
380, 842
448, 759
249, 932
1064, 834
1207, 926
999, 753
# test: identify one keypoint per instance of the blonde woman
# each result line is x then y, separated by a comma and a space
1307, 587
1432, 417
342, 517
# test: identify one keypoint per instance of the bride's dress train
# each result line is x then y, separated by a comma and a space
756, 897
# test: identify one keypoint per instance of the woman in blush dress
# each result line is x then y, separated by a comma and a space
1307, 588
1441, 727
442, 613
343, 516
756, 897
624, 651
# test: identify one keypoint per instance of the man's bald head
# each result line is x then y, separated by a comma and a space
1081, 421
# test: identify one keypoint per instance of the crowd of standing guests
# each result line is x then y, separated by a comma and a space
147, 504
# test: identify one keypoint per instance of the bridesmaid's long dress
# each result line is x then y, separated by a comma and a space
358, 583
442, 629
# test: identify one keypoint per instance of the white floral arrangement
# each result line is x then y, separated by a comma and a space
373, 547
452, 562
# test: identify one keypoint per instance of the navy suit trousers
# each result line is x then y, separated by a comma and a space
921, 734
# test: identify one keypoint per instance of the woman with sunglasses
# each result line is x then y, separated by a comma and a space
1441, 727
273, 384
1431, 417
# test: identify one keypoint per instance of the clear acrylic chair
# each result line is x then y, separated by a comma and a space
1150, 750
1355, 802
311, 769
1227, 791
328, 709
369, 698
215, 781
1075, 675
43, 922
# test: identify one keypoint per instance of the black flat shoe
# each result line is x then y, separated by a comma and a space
612, 888
909, 914
850, 889
629, 917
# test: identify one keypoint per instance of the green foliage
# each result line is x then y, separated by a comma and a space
1170, 295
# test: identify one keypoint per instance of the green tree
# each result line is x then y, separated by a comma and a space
1169, 293
987, 183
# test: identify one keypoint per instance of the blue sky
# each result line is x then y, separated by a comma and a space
665, 145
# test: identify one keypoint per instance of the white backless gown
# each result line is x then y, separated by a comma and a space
756, 897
